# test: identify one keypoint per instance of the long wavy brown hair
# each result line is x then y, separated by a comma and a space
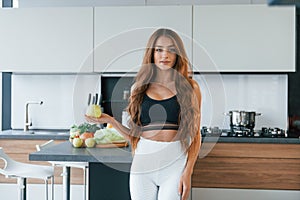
189, 117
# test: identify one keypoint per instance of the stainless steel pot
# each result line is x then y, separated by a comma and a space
242, 118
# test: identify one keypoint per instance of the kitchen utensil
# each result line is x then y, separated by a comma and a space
242, 118
273, 132
96, 99
93, 101
89, 99
100, 99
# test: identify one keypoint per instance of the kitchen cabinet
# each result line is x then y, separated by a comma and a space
79, 3
46, 39
201, 2
248, 166
121, 33
244, 194
244, 38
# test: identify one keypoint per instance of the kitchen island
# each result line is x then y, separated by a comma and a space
108, 168
222, 163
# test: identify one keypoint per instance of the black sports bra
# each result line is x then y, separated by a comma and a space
160, 114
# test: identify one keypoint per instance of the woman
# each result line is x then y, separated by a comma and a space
164, 109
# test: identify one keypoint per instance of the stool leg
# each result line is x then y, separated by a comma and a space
52, 185
66, 182
84, 182
22, 188
25, 188
46, 189
87, 182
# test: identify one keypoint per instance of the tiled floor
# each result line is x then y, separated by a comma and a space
37, 192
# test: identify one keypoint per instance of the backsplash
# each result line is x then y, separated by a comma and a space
65, 98
262, 93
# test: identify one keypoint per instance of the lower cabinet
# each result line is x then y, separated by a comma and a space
244, 194
248, 166
19, 150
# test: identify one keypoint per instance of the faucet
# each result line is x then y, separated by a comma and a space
27, 123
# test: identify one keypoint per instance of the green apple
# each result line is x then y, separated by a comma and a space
77, 142
94, 111
90, 142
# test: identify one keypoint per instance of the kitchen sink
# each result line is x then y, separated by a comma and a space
40, 132
48, 133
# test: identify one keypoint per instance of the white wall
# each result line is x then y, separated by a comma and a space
262, 93
65, 99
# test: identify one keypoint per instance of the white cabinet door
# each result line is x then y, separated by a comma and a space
244, 38
245, 194
121, 33
46, 40
198, 2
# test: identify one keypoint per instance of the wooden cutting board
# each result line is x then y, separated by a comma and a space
112, 145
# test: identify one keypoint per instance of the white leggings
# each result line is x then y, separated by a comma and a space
156, 170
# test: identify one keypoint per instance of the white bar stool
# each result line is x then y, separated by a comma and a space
65, 174
22, 171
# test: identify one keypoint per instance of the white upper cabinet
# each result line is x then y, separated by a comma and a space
121, 33
244, 38
46, 40
199, 2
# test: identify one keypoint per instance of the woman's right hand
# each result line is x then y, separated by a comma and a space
104, 118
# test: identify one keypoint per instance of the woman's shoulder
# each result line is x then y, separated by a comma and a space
133, 86
196, 89
195, 84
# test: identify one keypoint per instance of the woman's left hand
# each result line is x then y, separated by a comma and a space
185, 185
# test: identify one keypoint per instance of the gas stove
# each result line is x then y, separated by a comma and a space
243, 132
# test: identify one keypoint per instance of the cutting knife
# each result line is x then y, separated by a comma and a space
100, 99
89, 99
93, 101
96, 98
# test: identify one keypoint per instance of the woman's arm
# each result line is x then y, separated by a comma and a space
105, 118
193, 151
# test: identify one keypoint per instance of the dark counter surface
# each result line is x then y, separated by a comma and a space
262, 140
66, 152
35, 134
64, 135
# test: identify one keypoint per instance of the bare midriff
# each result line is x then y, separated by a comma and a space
162, 135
